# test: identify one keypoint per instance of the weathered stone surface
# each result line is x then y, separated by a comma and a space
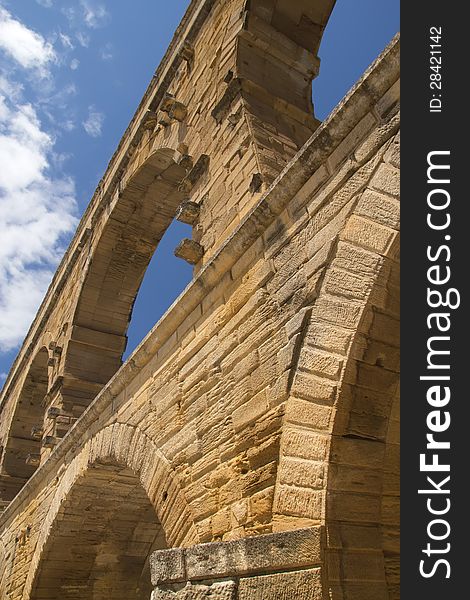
216, 591
303, 585
254, 554
188, 212
168, 566
265, 400
190, 251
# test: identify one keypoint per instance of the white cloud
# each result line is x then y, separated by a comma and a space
68, 125
74, 64
94, 13
83, 39
36, 212
106, 52
10, 89
37, 209
28, 48
94, 122
45, 3
66, 41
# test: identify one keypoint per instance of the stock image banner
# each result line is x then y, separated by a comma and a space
434, 291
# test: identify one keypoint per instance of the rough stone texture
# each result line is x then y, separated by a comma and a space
216, 591
266, 399
190, 251
281, 554
301, 585
285, 550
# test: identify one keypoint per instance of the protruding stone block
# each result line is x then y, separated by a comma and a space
53, 412
37, 432
222, 108
285, 550
188, 212
49, 441
33, 460
176, 110
187, 52
190, 251
201, 166
150, 120
186, 161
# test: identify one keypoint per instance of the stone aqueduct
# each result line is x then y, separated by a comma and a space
249, 447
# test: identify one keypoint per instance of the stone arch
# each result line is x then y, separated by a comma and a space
21, 454
302, 21
340, 446
362, 485
121, 242
117, 501
276, 63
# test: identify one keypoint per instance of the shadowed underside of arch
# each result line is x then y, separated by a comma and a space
20, 456
118, 501
135, 222
100, 542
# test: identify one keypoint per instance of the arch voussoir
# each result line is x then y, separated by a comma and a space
118, 453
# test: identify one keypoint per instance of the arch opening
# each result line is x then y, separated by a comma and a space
21, 455
101, 539
165, 279
120, 250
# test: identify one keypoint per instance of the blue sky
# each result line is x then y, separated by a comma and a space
72, 73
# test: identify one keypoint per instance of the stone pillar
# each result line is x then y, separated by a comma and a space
277, 566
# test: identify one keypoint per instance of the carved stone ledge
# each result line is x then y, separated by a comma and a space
188, 212
190, 251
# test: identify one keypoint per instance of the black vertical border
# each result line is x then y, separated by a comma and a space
423, 132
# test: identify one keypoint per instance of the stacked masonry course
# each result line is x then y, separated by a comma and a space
251, 441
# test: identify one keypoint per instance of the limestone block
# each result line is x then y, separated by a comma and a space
250, 412
300, 472
376, 142
357, 259
167, 565
310, 387
301, 585
283, 550
387, 179
308, 414
224, 590
380, 208
368, 234
344, 283
328, 337
190, 251
389, 99
300, 502
351, 141
188, 212
305, 444
392, 155
320, 363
